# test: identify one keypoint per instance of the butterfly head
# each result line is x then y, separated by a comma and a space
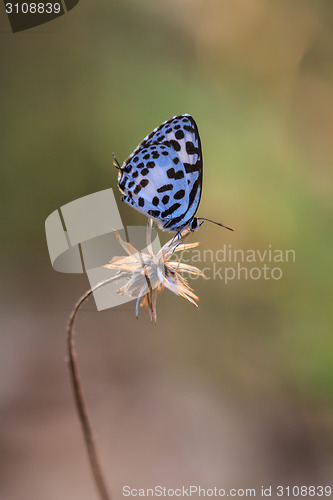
194, 224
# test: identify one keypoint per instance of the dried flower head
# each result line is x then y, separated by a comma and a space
148, 273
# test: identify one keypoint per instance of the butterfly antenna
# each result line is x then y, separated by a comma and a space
116, 163
217, 223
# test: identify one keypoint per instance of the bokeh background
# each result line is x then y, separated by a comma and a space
237, 394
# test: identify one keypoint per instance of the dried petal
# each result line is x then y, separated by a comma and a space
147, 274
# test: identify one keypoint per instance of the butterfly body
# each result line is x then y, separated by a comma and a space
162, 178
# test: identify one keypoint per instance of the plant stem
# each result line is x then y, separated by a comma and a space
81, 405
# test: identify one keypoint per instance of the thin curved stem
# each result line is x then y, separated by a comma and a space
81, 405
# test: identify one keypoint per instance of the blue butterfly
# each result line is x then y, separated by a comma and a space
162, 178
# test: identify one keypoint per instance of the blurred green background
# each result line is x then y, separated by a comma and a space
239, 392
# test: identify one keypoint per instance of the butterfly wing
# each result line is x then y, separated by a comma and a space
162, 178
159, 189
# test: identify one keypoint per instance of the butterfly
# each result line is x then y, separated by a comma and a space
162, 178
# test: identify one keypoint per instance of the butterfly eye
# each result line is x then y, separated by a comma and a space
194, 224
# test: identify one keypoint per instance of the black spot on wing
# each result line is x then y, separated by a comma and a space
179, 195
176, 146
195, 167
170, 210
172, 174
179, 174
190, 148
179, 134
166, 187
189, 129
154, 213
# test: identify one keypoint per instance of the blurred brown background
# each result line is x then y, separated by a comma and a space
235, 394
